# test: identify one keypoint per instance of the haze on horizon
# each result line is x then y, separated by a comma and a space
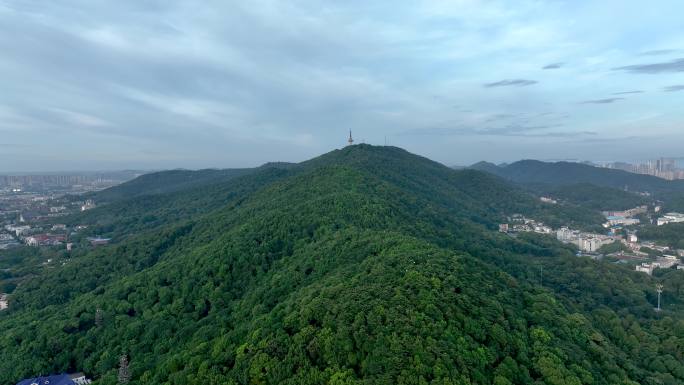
89, 85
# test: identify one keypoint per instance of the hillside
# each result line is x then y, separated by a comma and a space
565, 173
592, 196
166, 182
573, 182
367, 265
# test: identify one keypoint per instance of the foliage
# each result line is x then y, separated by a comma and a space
614, 247
597, 197
569, 173
671, 234
165, 182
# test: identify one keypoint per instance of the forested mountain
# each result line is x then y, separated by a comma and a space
166, 182
592, 196
589, 186
367, 265
567, 173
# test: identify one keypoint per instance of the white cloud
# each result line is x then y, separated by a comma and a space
80, 119
271, 72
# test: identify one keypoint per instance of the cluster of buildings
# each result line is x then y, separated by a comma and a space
587, 242
520, 224
73, 183
664, 262
591, 243
45, 239
665, 168
624, 217
28, 218
87, 205
7, 241
36, 235
28, 202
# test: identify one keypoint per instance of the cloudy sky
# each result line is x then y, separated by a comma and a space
87, 84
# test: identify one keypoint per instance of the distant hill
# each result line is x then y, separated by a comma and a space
486, 167
166, 182
592, 196
566, 173
365, 265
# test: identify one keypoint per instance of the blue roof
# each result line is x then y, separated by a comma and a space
59, 379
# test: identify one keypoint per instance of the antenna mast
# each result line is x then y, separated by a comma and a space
350, 140
659, 289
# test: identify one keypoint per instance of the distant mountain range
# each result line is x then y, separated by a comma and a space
566, 173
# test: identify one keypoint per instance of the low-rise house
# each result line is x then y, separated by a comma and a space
667, 261
56, 209
18, 230
591, 244
45, 240
564, 234
627, 213
664, 262
80, 379
89, 204
646, 268
615, 220
97, 241
541, 228
670, 218
58, 379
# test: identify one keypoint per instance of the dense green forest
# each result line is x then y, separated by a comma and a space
20, 264
671, 234
566, 173
589, 186
594, 197
367, 265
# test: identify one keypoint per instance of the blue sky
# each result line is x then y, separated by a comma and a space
88, 84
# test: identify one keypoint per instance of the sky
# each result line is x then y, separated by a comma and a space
147, 84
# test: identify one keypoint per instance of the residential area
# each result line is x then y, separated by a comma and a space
620, 242
33, 210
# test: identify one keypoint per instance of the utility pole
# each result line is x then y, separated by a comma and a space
659, 289
98, 317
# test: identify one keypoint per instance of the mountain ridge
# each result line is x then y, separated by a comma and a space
560, 173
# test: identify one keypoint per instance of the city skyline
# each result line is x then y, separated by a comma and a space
163, 85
